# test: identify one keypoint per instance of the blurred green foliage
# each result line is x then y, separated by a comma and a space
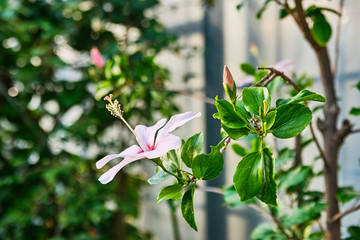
52, 129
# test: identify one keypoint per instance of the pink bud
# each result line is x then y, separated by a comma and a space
97, 58
228, 78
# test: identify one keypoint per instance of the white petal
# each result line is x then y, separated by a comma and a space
131, 151
165, 144
177, 121
110, 174
147, 134
105, 160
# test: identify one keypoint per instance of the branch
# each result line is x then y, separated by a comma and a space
355, 131
281, 74
300, 19
322, 154
344, 131
339, 215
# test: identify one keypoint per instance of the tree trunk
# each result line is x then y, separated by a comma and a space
331, 144
328, 127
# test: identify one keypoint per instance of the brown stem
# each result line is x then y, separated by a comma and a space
339, 215
298, 162
355, 131
322, 154
282, 75
329, 131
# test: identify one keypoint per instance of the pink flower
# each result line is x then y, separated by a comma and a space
97, 58
156, 145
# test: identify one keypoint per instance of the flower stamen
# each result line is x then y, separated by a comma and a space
114, 107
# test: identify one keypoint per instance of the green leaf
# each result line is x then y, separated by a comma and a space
267, 193
295, 177
208, 166
231, 197
239, 150
354, 232
346, 194
358, 85
170, 192
314, 10
253, 98
321, 29
266, 231
236, 133
291, 120
260, 75
303, 95
255, 143
300, 215
274, 85
283, 13
248, 69
241, 110
270, 118
285, 155
175, 157
227, 114
249, 177
191, 148
159, 177
187, 208
108, 67
355, 111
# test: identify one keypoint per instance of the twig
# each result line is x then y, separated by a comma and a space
263, 79
355, 131
342, 214
322, 154
343, 131
278, 73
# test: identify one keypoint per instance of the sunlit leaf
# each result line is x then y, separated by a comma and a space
170, 192
187, 208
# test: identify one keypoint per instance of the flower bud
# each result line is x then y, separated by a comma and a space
229, 84
97, 58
